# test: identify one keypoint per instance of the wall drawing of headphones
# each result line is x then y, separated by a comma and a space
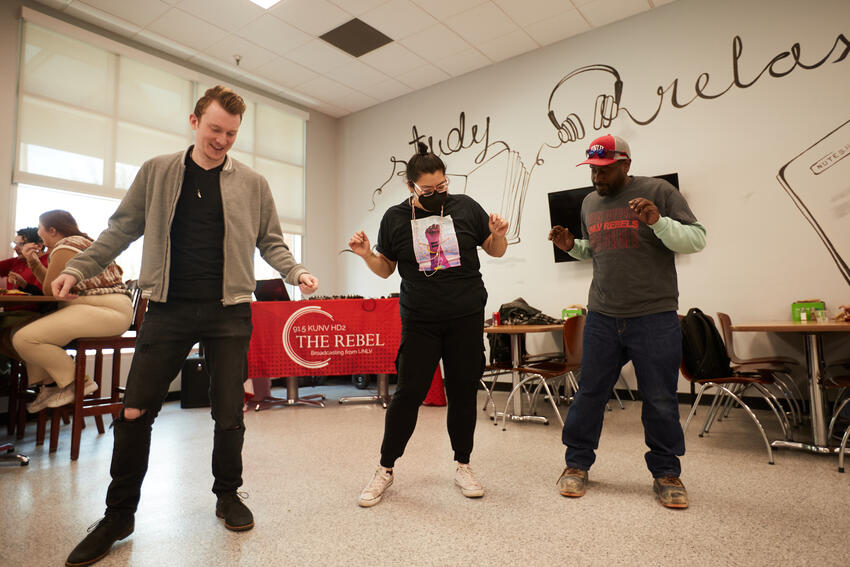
571, 127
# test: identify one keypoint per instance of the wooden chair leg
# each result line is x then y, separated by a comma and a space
54, 430
77, 418
98, 420
13, 397
20, 407
40, 429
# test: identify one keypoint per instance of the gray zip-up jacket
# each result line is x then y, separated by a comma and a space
250, 220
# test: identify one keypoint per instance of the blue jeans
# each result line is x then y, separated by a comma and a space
654, 345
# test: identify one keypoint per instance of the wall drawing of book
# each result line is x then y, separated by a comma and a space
499, 184
818, 182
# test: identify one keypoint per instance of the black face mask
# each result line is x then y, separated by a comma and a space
434, 202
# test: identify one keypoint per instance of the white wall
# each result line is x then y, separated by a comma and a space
761, 252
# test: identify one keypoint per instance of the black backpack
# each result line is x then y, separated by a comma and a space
703, 352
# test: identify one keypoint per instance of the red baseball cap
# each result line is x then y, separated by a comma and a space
606, 150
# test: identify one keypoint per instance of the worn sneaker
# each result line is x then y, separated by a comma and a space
237, 516
573, 482
381, 480
64, 396
469, 485
671, 492
40, 401
102, 534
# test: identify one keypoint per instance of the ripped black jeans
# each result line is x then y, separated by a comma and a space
168, 333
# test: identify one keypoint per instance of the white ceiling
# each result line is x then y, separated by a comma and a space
280, 52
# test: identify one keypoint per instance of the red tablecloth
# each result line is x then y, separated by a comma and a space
325, 338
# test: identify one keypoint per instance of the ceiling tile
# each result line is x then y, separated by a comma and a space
330, 109
602, 12
386, 90
463, 62
436, 42
357, 75
319, 56
274, 34
226, 14
357, 7
102, 19
398, 18
337, 94
423, 77
557, 27
285, 72
187, 29
393, 59
442, 9
482, 23
508, 46
525, 12
139, 13
251, 55
312, 16
661, 2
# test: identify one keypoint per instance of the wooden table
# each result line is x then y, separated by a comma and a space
516, 361
811, 331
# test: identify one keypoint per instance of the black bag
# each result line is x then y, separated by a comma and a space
703, 352
500, 348
519, 312
195, 383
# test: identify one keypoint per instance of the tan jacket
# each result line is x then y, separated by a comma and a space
250, 221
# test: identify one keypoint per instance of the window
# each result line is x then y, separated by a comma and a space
89, 117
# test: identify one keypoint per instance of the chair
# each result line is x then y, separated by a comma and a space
840, 383
545, 372
95, 404
779, 366
734, 386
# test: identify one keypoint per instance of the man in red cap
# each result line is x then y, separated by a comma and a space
631, 228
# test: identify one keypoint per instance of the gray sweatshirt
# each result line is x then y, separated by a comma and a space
634, 271
250, 221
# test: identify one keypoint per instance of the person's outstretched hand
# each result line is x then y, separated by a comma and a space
359, 244
308, 283
562, 238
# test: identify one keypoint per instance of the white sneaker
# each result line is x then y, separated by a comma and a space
64, 396
469, 485
40, 401
381, 480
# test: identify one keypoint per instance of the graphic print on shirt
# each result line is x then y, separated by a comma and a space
613, 229
435, 243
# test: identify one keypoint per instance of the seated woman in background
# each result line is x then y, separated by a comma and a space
102, 308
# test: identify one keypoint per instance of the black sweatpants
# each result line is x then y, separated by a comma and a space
460, 343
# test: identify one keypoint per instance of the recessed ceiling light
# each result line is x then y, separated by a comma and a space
266, 4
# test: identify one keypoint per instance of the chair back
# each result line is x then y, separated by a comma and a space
573, 340
140, 305
726, 332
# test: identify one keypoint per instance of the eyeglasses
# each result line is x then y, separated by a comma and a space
428, 190
603, 153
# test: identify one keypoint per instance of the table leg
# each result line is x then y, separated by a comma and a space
820, 443
292, 398
383, 396
516, 413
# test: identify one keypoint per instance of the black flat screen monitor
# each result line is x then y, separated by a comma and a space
565, 210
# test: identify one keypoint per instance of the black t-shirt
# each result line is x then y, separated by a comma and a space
444, 281
197, 236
